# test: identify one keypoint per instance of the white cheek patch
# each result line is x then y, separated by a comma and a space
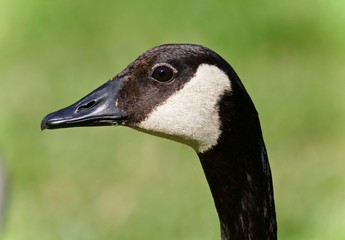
192, 113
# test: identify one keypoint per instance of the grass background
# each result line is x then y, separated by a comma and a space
115, 183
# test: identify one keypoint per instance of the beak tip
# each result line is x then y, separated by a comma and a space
44, 124
43, 127
48, 121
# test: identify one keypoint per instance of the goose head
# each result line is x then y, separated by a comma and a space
172, 91
190, 94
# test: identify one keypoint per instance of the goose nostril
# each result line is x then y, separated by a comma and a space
86, 106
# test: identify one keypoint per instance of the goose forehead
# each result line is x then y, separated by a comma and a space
192, 113
173, 53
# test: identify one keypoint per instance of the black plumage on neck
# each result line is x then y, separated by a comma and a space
238, 171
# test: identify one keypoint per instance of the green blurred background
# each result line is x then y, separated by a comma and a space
115, 183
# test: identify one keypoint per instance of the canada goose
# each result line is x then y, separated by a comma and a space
190, 94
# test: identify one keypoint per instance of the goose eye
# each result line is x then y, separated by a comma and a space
163, 73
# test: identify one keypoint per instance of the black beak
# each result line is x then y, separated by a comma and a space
96, 109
